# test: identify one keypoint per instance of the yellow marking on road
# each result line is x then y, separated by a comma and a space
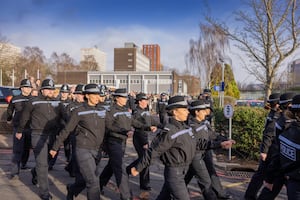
234, 184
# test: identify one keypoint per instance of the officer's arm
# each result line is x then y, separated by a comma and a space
10, 110
25, 116
65, 132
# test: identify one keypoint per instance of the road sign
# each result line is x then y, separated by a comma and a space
228, 111
222, 86
217, 88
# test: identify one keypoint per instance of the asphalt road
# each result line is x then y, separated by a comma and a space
234, 182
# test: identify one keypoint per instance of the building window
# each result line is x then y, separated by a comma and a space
130, 54
130, 60
129, 66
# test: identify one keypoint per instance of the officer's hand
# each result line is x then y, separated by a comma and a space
263, 156
227, 144
130, 133
18, 136
153, 129
9, 122
268, 185
134, 172
52, 153
145, 146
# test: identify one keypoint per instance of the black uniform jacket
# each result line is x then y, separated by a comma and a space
175, 145
41, 111
290, 151
143, 116
202, 135
15, 108
269, 130
89, 124
119, 121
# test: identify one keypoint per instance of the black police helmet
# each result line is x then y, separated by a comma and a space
48, 84
177, 102
78, 89
25, 83
91, 89
65, 88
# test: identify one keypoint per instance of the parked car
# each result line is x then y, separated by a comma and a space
251, 103
7, 92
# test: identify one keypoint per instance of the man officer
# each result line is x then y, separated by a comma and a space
21, 147
40, 111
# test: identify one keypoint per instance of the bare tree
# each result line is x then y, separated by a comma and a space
32, 63
268, 33
205, 52
89, 63
62, 62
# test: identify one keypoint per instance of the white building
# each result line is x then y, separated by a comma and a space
100, 57
9, 54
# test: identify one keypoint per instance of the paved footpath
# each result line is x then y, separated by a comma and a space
22, 188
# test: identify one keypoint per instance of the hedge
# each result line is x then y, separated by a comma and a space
247, 127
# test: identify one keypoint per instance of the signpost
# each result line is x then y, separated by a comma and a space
228, 113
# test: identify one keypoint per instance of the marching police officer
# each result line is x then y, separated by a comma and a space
72, 166
21, 147
119, 123
88, 121
41, 112
161, 108
268, 137
273, 175
140, 136
204, 142
176, 146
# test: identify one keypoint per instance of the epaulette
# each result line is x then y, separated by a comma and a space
166, 129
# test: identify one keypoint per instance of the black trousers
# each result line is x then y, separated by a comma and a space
215, 180
174, 186
293, 189
145, 173
116, 166
88, 162
21, 149
40, 150
256, 182
278, 183
198, 169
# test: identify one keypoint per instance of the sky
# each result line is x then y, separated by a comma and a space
66, 26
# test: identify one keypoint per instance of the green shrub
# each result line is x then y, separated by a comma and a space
247, 127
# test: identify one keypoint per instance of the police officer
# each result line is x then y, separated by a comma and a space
72, 166
289, 141
88, 121
161, 108
198, 167
41, 112
62, 115
208, 158
21, 147
175, 146
268, 137
273, 175
119, 123
140, 136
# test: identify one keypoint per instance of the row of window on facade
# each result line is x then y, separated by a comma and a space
132, 81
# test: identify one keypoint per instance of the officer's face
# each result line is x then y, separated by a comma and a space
48, 93
180, 114
200, 114
93, 99
121, 101
26, 90
79, 97
101, 99
143, 103
64, 95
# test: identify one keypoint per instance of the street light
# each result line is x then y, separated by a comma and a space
222, 85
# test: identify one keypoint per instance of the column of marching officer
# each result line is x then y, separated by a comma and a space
93, 122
